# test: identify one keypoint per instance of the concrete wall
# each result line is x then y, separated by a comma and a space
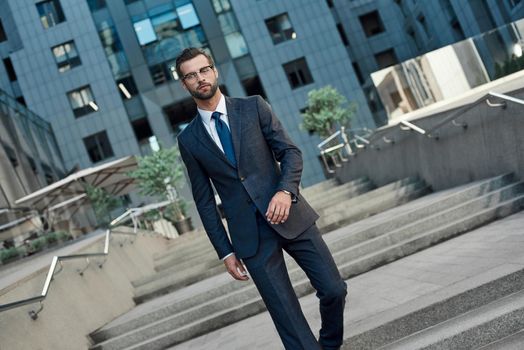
492, 144
77, 305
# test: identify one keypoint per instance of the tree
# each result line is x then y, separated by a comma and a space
103, 204
326, 110
158, 172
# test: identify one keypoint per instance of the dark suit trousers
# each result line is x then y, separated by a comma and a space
268, 270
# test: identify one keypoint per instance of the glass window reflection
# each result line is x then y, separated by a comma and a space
144, 31
188, 16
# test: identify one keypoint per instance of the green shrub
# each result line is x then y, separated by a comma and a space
37, 244
63, 236
6, 254
50, 238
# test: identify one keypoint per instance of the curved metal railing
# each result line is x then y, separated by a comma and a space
454, 118
328, 147
57, 261
337, 142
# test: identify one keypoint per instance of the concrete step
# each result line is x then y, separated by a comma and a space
433, 308
370, 203
179, 244
197, 265
511, 342
180, 240
441, 225
314, 196
168, 282
339, 194
182, 267
178, 256
319, 187
473, 329
230, 296
417, 209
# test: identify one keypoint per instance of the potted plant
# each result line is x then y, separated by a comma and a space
160, 175
103, 204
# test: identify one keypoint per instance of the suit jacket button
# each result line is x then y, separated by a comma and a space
242, 178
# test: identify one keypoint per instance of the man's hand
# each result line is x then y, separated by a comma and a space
278, 209
235, 268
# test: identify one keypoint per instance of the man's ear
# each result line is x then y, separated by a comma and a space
183, 84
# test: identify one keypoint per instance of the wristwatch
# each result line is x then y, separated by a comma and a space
287, 192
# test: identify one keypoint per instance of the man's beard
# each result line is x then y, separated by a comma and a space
205, 95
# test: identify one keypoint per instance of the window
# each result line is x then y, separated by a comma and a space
414, 38
253, 86
10, 69
66, 56
422, 20
458, 33
144, 31
3, 36
386, 58
50, 13
187, 15
280, 28
221, 6
21, 100
98, 147
96, 4
371, 23
11, 154
82, 101
48, 174
127, 87
358, 72
142, 130
342, 34
298, 73
236, 44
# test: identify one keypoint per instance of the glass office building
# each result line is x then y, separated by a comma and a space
102, 72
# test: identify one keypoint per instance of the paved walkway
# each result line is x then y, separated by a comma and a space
484, 253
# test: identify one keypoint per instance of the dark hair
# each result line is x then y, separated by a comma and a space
189, 54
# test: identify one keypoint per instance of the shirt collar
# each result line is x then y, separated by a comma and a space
206, 115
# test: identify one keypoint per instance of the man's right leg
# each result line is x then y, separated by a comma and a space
269, 272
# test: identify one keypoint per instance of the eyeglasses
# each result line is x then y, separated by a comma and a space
193, 76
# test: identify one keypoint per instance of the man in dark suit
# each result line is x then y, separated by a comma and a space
238, 143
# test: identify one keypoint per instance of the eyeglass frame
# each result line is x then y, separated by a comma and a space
194, 75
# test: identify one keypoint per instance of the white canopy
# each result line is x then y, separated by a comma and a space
111, 176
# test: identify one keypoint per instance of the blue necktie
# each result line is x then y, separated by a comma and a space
225, 137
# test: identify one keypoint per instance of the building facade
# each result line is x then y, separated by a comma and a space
102, 72
29, 160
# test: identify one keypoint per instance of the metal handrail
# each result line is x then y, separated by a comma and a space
410, 126
58, 259
432, 133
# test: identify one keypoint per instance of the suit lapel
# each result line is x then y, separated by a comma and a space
235, 124
205, 139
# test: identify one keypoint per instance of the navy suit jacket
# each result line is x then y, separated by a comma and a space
260, 142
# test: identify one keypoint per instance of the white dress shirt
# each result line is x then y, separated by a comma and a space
209, 124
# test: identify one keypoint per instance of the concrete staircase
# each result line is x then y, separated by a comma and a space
193, 259
217, 302
484, 311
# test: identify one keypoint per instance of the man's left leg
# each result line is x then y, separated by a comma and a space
311, 253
